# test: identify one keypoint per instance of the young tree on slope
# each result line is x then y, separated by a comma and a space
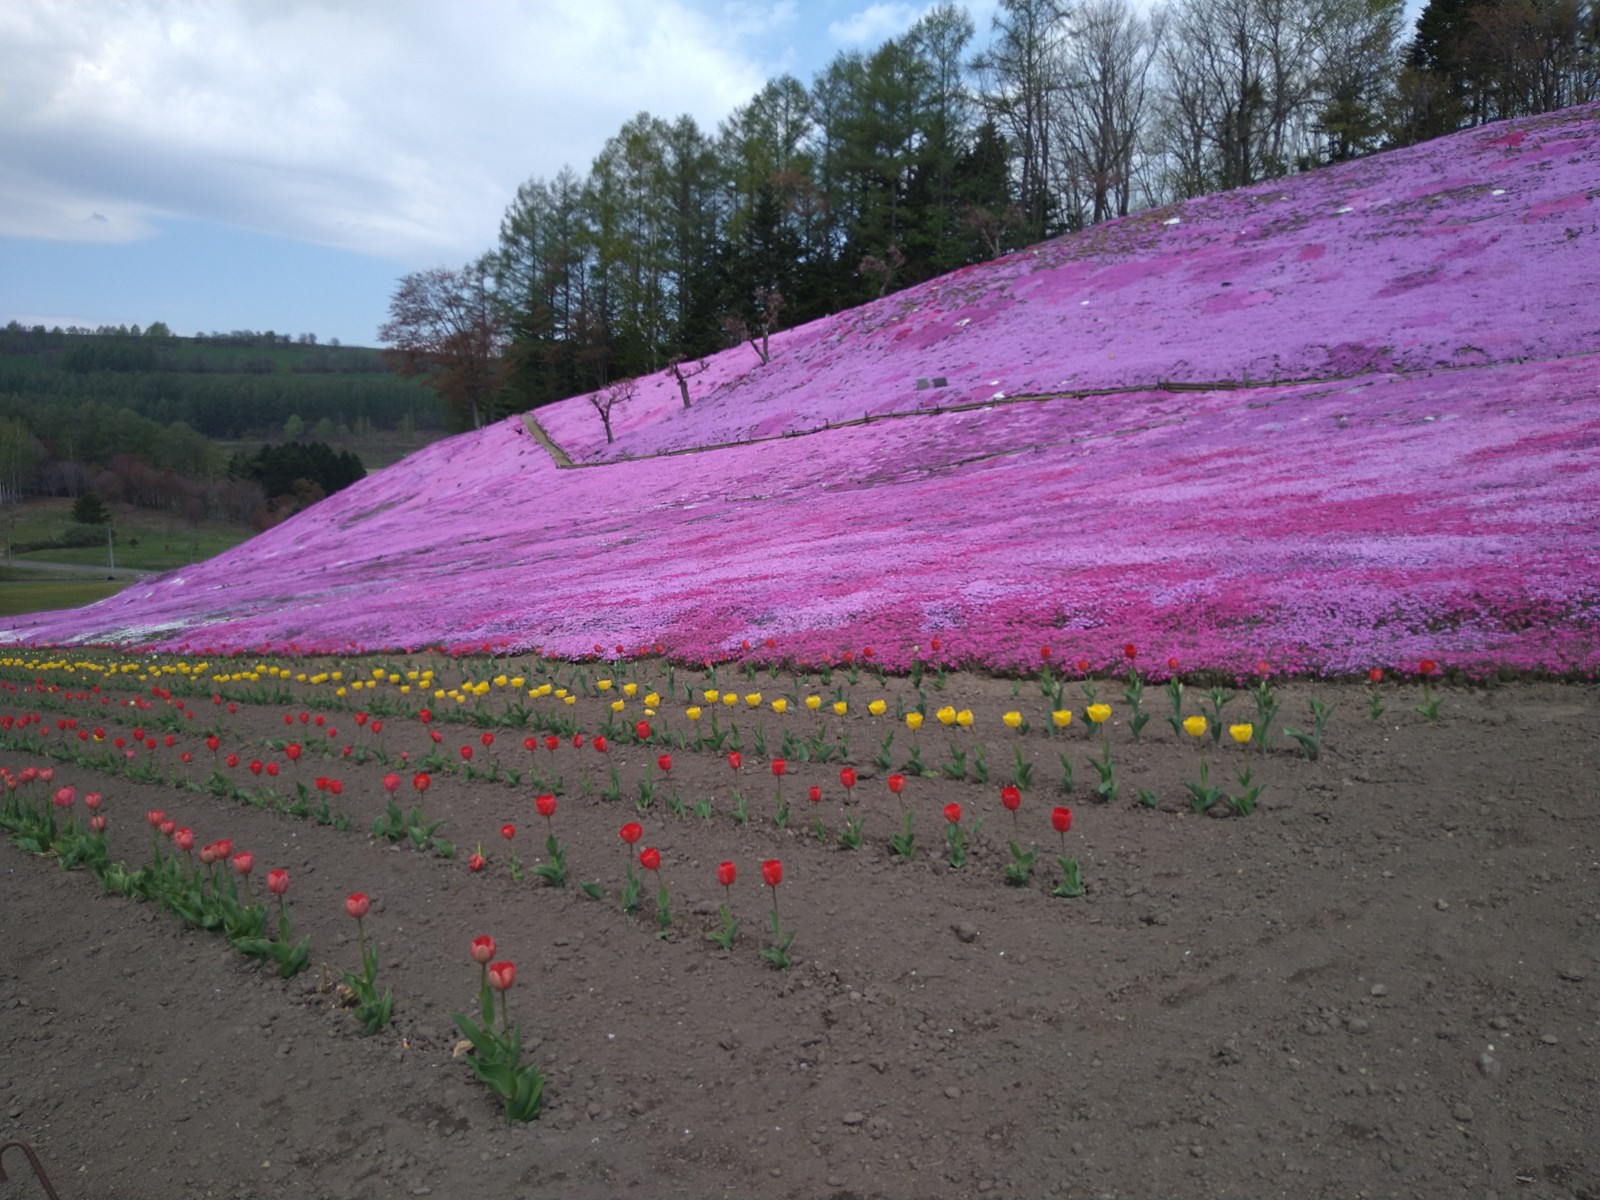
444, 326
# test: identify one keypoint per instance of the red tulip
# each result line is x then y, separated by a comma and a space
1130, 651
466, 753
487, 739
272, 770
577, 741
934, 645
650, 858
277, 882
357, 904
552, 743
1011, 796
508, 831
183, 839
897, 783
952, 813
1375, 676
377, 727
847, 777
243, 862
168, 827
1044, 651
361, 718
546, 805
477, 862
155, 816
1427, 667
815, 794
482, 949
169, 740
1083, 666
292, 751
664, 762
224, 848
735, 759
92, 801
97, 823
304, 717
642, 729
1172, 664
420, 781
255, 766
779, 766
502, 975
232, 760
772, 872
66, 797
631, 832
213, 743
530, 744
391, 783
436, 737
600, 744
424, 716
726, 873
1061, 819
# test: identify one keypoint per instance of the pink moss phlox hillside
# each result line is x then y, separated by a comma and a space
1448, 511
1477, 248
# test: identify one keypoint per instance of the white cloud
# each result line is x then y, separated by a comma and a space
398, 128
875, 24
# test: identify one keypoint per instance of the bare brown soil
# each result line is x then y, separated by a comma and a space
1385, 982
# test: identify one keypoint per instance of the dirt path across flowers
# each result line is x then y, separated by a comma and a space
1385, 982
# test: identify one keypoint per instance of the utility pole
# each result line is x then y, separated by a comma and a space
111, 552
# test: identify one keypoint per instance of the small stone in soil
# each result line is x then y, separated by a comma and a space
966, 931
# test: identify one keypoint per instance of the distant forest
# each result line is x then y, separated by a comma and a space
142, 417
932, 152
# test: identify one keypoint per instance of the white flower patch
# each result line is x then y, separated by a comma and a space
1173, 221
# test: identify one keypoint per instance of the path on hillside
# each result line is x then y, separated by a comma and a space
564, 461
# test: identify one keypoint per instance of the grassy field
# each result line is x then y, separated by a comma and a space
145, 540
19, 596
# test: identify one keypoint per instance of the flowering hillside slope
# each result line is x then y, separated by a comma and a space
1401, 465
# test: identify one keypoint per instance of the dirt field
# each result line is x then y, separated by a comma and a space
1384, 982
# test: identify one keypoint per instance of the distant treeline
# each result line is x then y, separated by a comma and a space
217, 388
134, 416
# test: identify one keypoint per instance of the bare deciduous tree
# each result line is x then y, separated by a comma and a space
607, 398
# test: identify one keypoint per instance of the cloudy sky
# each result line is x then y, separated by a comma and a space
278, 164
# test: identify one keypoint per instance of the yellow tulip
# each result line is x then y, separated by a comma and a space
603, 684
711, 695
840, 708
1098, 713
569, 699
1241, 733
1013, 720
877, 708
813, 702
395, 678
516, 680
652, 700
618, 705
964, 718
649, 712
501, 681
628, 690
339, 692
729, 699
405, 689
693, 712
913, 721
753, 699
1062, 717
1194, 726
780, 706
946, 715
561, 693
